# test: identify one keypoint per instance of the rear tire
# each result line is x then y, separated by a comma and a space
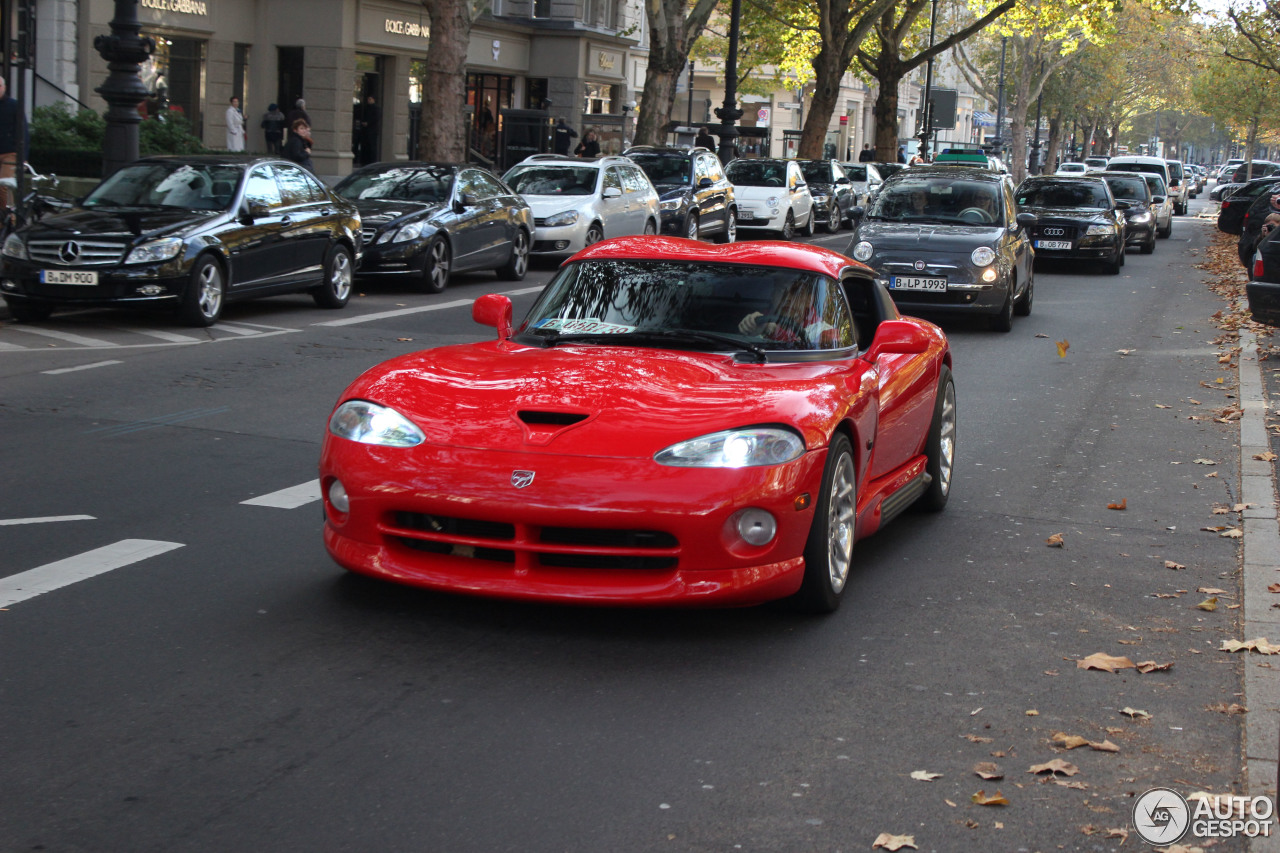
940, 447
828, 555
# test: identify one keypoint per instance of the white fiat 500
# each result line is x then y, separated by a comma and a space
772, 196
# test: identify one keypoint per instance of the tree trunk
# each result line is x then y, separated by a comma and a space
443, 137
656, 102
828, 71
1051, 156
1018, 126
671, 34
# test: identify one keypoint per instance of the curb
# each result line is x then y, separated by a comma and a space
1261, 568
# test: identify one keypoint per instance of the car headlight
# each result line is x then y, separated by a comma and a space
1100, 231
820, 198
772, 201
369, 423
564, 217
734, 448
863, 251
1145, 216
154, 251
671, 204
403, 234
14, 247
982, 256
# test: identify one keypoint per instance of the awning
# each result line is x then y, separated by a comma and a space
983, 119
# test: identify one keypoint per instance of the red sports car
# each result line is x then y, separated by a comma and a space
673, 423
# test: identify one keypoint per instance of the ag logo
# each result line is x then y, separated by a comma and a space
520, 479
1161, 816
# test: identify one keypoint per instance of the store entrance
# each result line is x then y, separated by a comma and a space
174, 75
488, 95
366, 109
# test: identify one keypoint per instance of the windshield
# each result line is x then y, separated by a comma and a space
817, 171
179, 185
757, 173
939, 199
433, 185
663, 170
855, 172
686, 305
1155, 183
1089, 194
553, 180
1129, 189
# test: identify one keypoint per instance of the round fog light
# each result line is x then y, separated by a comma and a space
989, 275
338, 497
757, 527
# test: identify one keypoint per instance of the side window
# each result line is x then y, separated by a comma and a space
469, 185
836, 321
261, 188
611, 178
636, 180
487, 186
294, 187
713, 169
836, 172
701, 169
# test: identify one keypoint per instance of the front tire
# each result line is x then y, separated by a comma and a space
828, 555
808, 229
834, 220
691, 226
595, 234
789, 227
202, 303
940, 448
518, 264
435, 275
1003, 321
1149, 245
29, 312
335, 291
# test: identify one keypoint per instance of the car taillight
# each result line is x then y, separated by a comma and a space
1257, 265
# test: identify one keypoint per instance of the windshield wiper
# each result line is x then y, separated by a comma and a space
551, 337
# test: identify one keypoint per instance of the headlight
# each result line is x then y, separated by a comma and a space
982, 256
1100, 231
863, 251
772, 201
404, 233
369, 423
1141, 217
14, 247
564, 217
820, 198
735, 448
672, 204
150, 253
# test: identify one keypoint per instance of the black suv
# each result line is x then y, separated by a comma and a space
833, 193
694, 196
190, 233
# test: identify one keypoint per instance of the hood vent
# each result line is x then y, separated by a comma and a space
540, 427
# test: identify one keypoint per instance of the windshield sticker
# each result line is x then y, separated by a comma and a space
584, 326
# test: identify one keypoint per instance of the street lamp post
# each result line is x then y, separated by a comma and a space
926, 129
124, 49
729, 113
1033, 168
998, 142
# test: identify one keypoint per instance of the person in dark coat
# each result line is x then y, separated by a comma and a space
902, 155
273, 124
298, 147
299, 111
563, 133
704, 139
370, 130
868, 154
12, 134
589, 146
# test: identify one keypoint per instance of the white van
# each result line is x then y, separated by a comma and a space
1155, 166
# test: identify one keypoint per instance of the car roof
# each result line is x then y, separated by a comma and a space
945, 171
568, 160
774, 253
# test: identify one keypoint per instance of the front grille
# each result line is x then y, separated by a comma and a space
88, 253
1055, 231
552, 547
540, 221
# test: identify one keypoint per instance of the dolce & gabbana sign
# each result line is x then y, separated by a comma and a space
185, 7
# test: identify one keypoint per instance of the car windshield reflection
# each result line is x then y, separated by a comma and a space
1091, 194
553, 180
432, 185
184, 186
944, 201
757, 173
690, 306
671, 171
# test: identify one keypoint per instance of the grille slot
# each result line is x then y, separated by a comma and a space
462, 527
551, 418
93, 253
367, 234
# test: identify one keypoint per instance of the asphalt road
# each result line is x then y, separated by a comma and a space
227, 687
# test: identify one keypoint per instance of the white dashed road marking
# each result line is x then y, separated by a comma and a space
4, 522
66, 337
401, 312
290, 498
51, 576
81, 367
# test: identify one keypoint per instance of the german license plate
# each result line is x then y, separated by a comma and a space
917, 282
1053, 244
746, 214
89, 277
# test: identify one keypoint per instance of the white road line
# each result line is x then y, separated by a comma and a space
237, 330
4, 522
171, 337
5, 346
81, 367
62, 336
290, 498
51, 576
401, 312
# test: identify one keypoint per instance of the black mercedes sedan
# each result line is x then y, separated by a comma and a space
834, 197
946, 241
1076, 217
430, 220
191, 233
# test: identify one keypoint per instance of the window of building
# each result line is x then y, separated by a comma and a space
240, 73
175, 77
598, 98
541, 8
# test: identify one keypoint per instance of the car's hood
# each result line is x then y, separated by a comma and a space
635, 401
939, 238
758, 193
379, 211
548, 205
1066, 212
122, 222
670, 191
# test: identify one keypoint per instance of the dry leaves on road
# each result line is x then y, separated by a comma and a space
1104, 662
1259, 645
894, 842
925, 775
989, 771
1057, 765
1063, 346
1268, 456
1135, 713
1210, 604
1067, 741
1275, 587
982, 798
1148, 666
1054, 541
1124, 504
1230, 710
1170, 564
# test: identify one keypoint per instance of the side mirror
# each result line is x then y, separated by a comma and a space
857, 213
842, 180
1157, 199
612, 192
1025, 220
493, 309
897, 337
703, 183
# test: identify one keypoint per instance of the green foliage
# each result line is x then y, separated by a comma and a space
57, 127
171, 136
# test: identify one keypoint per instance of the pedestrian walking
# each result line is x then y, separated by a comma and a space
12, 134
298, 146
589, 146
370, 128
273, 125
867, 155
563, 133
704, 139
902, 154
299, 111
235, 126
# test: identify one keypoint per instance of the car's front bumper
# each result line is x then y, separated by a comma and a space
135, 284
560, 239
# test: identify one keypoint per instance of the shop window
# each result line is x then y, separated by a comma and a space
598, 99
174, 76
542, 8
536, 93
240, 74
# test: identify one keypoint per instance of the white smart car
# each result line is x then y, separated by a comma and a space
772, 196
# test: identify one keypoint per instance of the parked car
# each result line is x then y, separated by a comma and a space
1234, 209
764, 404
1228, 169
1154, 166
1223, 191
1245, 172
1141, 223
191, 233
430, 220
1096, 164
865, 179
888, 170
772, 195
694, 195
944, 240
1071, 169
1161, 204
578, 202
1179, 186
1255, 220
1076, 218
833, 193
1263, 289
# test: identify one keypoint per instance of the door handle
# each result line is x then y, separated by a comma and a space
285, 220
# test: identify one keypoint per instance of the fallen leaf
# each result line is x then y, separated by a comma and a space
404, 339
1135, 713
1055, 766
1147, 666
1041, 335
1232, 533
1230, 710
1203, 462
1079, 786
982, 798
1067, 741
1055, 672
988, 770
1126, 351
1163, 406
1218, 529
1104, 746
1124, 503
1063, 346
1170, 564
977, 739
1033, 713
1275, 587
1104, 662
1211, 590
1268, 456
1259, 645
1054, 541
894, 842
953, 805
925, 775
1210, 604
1122, 834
